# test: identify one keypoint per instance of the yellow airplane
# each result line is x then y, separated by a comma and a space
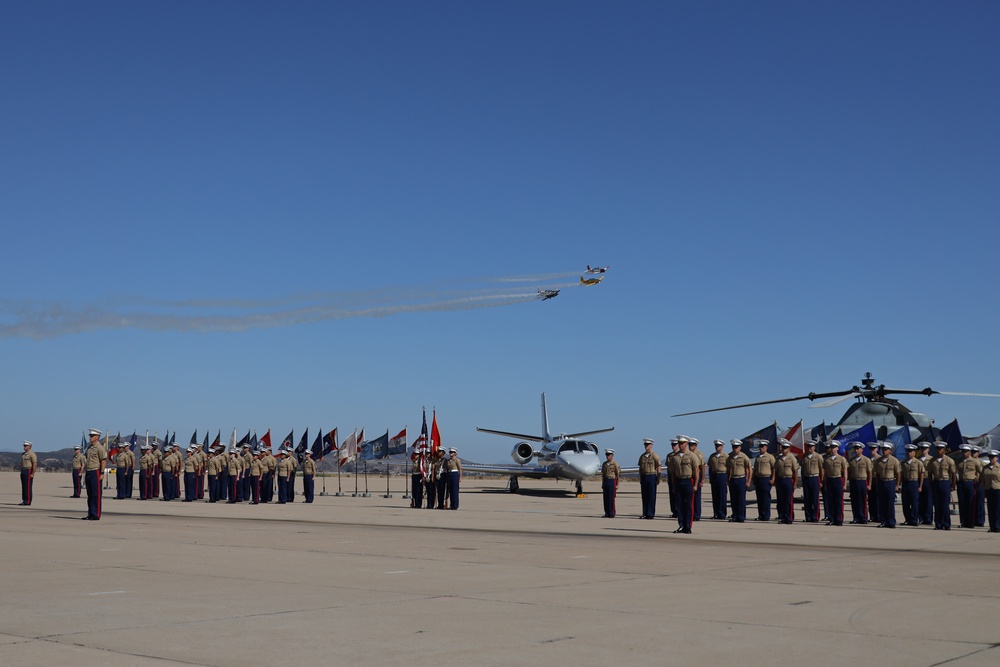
590, 281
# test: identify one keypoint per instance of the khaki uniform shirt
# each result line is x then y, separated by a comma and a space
834, 465
860, 467
158, 456
611, 470
284, 468
738, 465
810, 464
685, 466
717, 462
991, 477
146, 461
29, 461
453, 463
786, 466
649, 463
913, 469
191, 463
886, 468
233, 465
79, 461
941, 468
308, 467
763, 465
96, 456
968, 471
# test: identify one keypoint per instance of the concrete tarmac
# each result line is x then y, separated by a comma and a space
537, 578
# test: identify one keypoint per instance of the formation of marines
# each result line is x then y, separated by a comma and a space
925, 482
435, 476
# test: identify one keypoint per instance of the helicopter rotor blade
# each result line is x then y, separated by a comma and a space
826, 404
811, 397
965, 393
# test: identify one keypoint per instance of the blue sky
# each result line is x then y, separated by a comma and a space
789, 195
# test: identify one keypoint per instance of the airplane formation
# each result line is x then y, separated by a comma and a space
546, 294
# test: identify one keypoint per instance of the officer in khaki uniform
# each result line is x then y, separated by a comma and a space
718, 480
611, 474
79, 465
693, 444
763, 476
991, 482
979, 511
886, 471
912, 472
190, 475
671, 492
926, 512
146, 463
233, 462
649, 478
284, 473
786, 473
859, 479
29, 465
96, 458
453, 465
684, 469
739, 476
811, 469
834, 478
968, 478
308, 476
941, 471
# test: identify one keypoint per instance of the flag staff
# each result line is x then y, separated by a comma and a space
366, 494
387, 494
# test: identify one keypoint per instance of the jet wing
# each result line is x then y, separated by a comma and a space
583, 433
521, 436
531, 471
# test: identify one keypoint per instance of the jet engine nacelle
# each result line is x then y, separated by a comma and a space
522, 453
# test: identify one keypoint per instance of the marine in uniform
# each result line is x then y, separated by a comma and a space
79, 463
968, 479
887, 474
763, 477
121, 473
649, 478
684, 468
308, 476
991, 482
786, 473
702, 474
233, 476
941, 471
145, 461
718, 480
29, 465
166, 474
431, 479
979, 511
833, 480
284, 473
290, 455
875, 449
190, 475
96, 456
418, 462
926, 501
859, 479
453, 464
441, 479
157, 469
671, 492
738, 472
912, 472
611, 474
811, 467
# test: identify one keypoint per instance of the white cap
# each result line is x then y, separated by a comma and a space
994, 452
784, 443
77, 447
720, 443
736, 442
647, 441
452, 450
609, 451
683, 438
27, 443
94, 432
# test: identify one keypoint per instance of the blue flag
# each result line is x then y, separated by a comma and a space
317, 448
300, 449
864, 435
900, 438
769, 433
329, 443
374, 449
951, 434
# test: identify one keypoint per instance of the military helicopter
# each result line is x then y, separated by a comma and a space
873, 405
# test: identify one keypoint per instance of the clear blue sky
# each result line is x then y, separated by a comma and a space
789, 194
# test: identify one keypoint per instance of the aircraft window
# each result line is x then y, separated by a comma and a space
590, 446
570, 446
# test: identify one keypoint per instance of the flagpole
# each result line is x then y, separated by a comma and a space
366, 494
387, 494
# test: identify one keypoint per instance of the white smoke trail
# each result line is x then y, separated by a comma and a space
38, 320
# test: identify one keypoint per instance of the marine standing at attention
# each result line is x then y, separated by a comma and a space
763, 476
649, 478
79, 465
834, 481
991, 482
611, 473
670, 482
941, 471
718, 479
29, 464
887, 474
308, 476
926, 495
859, 478
454, 467
738, 471
912, 471
786, 472
968, 479
684, 469
702, 474
96, 458
811, 466
418, 465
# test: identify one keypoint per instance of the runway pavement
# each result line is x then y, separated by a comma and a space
532, 579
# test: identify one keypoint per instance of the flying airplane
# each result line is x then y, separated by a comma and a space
564, 456
545, 294
873, 405
591, 281
597, 269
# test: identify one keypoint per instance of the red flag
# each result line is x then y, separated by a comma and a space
435, 433
795, 436
265, 440
349, 450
